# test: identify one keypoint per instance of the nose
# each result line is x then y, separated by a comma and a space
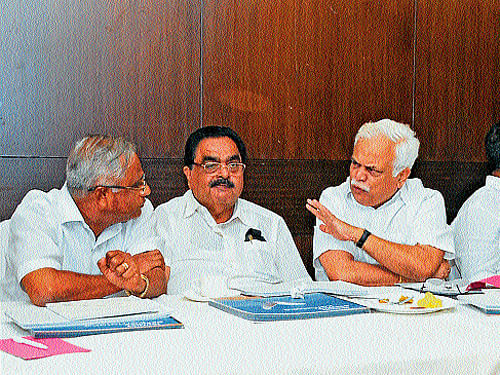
360, 173
146, 191
224, 170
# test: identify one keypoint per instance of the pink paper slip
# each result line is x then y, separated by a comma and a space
55, 346
493, 280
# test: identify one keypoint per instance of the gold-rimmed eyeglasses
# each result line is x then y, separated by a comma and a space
212, 167
139, 186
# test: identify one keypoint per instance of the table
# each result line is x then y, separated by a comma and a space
459, 341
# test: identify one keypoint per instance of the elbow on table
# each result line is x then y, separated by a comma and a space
428, 269
40, 290
41, 297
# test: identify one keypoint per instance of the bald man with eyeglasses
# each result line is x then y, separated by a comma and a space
93, 237
210, 232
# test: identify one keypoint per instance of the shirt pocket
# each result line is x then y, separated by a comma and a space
259, 260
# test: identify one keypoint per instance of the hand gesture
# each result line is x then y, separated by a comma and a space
331, 225
121, 270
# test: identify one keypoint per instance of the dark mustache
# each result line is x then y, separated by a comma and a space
222, 182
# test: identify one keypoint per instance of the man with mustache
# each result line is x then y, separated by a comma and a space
211, 232
379, 227
91, 238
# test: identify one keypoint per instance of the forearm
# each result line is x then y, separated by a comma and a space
417, 262
339, 265
50, 285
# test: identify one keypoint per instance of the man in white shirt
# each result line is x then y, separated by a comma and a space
477, 225
211, 232
76, 242
379, 227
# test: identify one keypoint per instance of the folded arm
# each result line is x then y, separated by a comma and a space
415, 263
47, 285
119, 271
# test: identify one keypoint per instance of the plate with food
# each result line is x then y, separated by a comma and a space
407, 302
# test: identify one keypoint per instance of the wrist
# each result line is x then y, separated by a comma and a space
356, 234
362, 239
144, 291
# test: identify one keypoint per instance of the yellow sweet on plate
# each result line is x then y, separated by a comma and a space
430, 301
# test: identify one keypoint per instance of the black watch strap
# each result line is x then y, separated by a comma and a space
363, 239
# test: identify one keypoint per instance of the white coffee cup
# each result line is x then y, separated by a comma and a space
214, 286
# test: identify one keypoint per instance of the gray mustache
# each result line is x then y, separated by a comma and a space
222, 182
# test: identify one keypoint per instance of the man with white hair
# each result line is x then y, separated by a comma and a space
379, 227
90, 238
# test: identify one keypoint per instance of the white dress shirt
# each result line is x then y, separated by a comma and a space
48, 230
198, 247
477, 232
414, 215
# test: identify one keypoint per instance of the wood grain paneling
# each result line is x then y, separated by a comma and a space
125, 68
458, 77
296, 78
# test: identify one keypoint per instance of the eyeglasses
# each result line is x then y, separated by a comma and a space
212, 167
139, 186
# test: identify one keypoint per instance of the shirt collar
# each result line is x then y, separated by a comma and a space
493, 182
68, 210
193, 206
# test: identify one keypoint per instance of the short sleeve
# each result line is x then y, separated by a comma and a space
430, 227
33, 236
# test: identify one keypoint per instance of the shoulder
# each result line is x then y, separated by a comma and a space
481, 202
335, 194
38, 202
415, 192
171, 207
253, 210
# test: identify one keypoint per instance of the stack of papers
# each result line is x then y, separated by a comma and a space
89, 317
103, 308
488, 302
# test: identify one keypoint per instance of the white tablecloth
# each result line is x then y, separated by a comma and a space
459, 341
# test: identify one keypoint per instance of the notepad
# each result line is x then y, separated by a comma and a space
103, 308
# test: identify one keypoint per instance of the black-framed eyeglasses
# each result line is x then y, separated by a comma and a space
140, 186
212, 167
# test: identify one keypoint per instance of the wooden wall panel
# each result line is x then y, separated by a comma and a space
458, 77
296, 78
125, 68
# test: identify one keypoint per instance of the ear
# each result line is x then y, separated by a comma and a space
403, 176
187, 172
101, 196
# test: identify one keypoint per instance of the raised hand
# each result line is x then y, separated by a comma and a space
331, 225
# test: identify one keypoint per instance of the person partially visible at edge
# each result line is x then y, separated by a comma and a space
91, 238
211, 232
476, 227
380, 227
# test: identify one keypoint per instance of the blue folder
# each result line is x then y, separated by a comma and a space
315, 305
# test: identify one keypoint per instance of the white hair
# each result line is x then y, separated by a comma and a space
97, 160
402, 135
